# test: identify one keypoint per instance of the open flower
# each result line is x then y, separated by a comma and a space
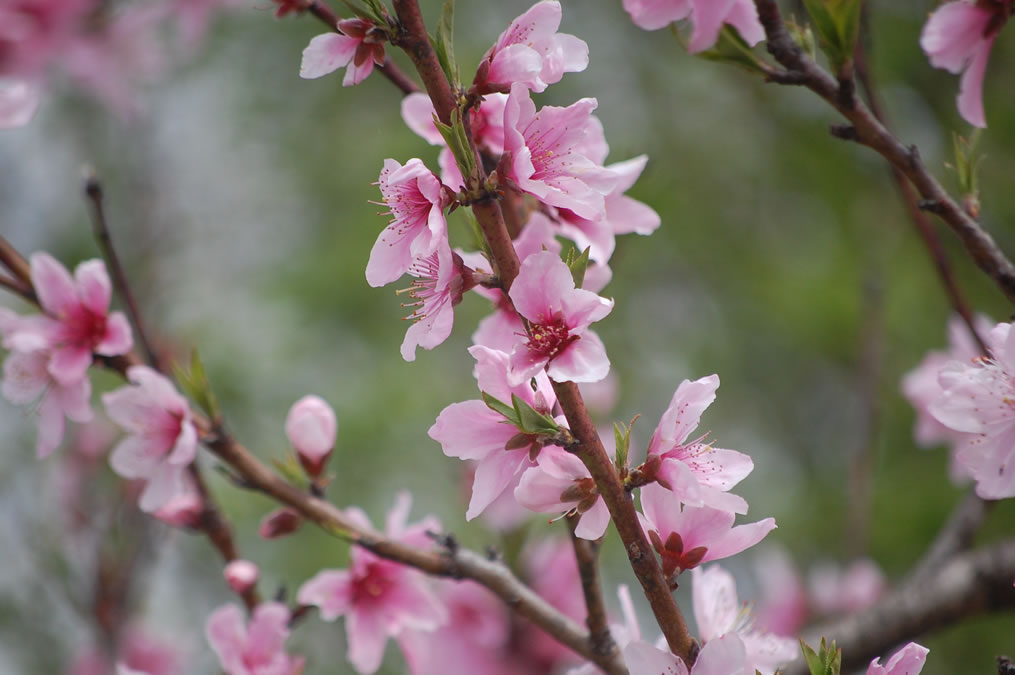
698, 474
358, 46
958, 37
379, 598
471, 430
708, 17
161, 440
560, 483
532, 53
77, 321
257, 648
417, 200
546, 158
686, 536
978, 399
559, 316
718, 613
440, 280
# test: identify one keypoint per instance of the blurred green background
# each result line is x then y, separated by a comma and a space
239, 199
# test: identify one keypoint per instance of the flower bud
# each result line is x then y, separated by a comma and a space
182, 510
241, 575
279, 523
311, 428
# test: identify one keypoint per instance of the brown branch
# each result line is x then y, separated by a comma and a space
916, 214
868, 131
93, 191
967, 585
415, 42
17, 288
587, 554
391, 71
15, 263
955, 536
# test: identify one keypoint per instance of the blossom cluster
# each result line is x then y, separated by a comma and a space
103, 49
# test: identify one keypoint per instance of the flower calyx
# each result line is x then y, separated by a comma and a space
674, 558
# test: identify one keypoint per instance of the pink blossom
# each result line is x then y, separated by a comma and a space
161, 440
623, 215
279, 523
36, 33
241, 575
560, 483
471, 430
194, 16
551, 570
184, 509
722, 656
907, 661
257, 648
958, 37
504, 514
486, 122
546, 154
77, 321
837, 591
690, 535
532, 53
559, 316
27, 378
311, 428
19, 99
441, 279
138, 653
698, 474
358, 47
379, 598
718, 612
708, 17
782, 608
979, 399
417, 200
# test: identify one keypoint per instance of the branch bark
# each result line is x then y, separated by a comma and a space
867, 130
586, 553
966, 585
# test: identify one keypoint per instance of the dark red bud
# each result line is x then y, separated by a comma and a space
279, 523
518, 441
693, 558
674, 543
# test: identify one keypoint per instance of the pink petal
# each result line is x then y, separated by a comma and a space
542, 281
326, 54
644, 659
470, 430
722, 656
118, 338
525, 364
51, 426
656, 14
970, 99
329, 590
165, 483
740, 538
367, 635
593, 522
227, 635
952, 33
907, 661
417, 113
185, 448
581, 308
744, 17
19, 99
53, 284
684, 412
25, 376
267, 631
709, 16
682, 481
493, 475
517, 63
584, 360
93, 287
714, 595
68, 365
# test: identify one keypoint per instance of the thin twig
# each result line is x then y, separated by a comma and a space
870, 132
93, 191
967, 585
391, 71
488, 213
955, 536
916, 214
587, 555
17, 288
15, 263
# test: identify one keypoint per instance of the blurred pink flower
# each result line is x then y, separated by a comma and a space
559, 316
257, 648
907, 661
417, 201
546, 158
782, 608
708, 17
687, 536
162, 439
532, 53
19, 99
551, 570
358, 47
471, 430
978, 398
241, 575
958, 37
379, 598
311, 427
837, 591
697, 473
185, 508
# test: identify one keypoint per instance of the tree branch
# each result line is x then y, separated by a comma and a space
93, 191
587, 554
967, 585
16, 264
955, 536
867, 130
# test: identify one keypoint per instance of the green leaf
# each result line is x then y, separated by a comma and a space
291, 470
532, 421
837, 23
814, 663
731, 48
578, 265
194, 382
504, 409
458, 142
622, 439
445, 45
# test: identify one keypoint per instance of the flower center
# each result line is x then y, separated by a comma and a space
84, 329
550, 338
371, 586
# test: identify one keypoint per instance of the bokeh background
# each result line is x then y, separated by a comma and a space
239, 196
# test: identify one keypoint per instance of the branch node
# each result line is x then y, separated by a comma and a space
846, 132
931, 206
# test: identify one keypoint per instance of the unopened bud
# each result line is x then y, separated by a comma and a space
311, 427
241, 575
279, 523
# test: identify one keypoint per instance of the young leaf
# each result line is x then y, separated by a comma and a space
814, 663
504, 409
194, 382
622, 438
445, 44
532, 421
578, 265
